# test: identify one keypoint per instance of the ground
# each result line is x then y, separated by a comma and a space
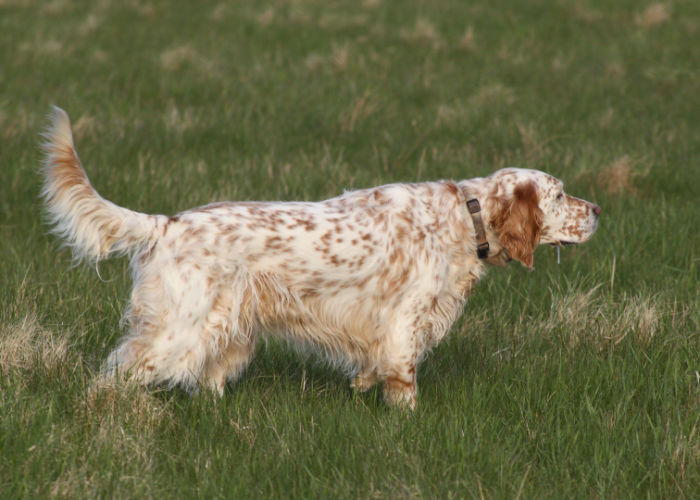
575, 380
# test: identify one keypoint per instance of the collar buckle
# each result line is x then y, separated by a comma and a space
473, 206
482, 250
482, 244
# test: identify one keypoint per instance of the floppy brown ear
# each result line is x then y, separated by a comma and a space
518, 223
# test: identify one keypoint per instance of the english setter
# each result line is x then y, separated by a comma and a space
372, 279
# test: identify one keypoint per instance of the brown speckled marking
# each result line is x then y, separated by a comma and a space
372, 279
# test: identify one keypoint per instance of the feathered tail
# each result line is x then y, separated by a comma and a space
92, 226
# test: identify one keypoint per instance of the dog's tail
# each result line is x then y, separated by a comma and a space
92, 226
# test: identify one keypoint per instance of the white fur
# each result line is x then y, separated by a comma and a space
371, 279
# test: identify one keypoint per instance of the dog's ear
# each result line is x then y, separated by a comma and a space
518, 222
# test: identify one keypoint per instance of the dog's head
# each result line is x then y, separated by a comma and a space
529, 208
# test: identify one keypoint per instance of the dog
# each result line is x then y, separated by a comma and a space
371, 279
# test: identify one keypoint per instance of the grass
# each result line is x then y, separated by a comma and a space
578, 380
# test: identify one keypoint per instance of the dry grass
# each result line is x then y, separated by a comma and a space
340, 56
55, 6
17, 124
178, 122
266, 17
654, 15
42, 47
468, 40
117, 422
220, 12
336, 21
99, 56
91, 23
423, 32
120, 420
26, 345
314, 61
400, 92
607, 118
119, 404
114, 422
86, 126
619, 176
299, 16
174, 59
586, 14
588, 318
615, 70
338, 60
492, 94
177, 58
533, 146
132, 456
446, 114
362, 108
485, 97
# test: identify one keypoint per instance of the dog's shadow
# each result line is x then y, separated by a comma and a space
278, 371
278, 368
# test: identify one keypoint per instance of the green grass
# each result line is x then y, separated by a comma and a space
578, 380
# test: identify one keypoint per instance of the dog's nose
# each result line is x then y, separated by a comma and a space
596, 209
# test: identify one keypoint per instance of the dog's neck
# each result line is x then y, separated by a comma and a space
482, 190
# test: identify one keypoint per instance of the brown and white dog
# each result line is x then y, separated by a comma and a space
371, 279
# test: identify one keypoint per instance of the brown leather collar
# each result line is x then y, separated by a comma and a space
482, 245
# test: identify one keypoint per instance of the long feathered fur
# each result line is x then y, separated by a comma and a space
371, 280
93, 227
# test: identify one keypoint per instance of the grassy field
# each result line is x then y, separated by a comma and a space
578, 380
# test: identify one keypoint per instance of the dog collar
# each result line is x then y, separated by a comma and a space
482, 245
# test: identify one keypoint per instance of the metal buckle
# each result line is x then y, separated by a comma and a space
473, 206
482, 250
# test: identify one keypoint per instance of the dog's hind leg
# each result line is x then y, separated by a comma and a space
228, 364
167, 317
231, 337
